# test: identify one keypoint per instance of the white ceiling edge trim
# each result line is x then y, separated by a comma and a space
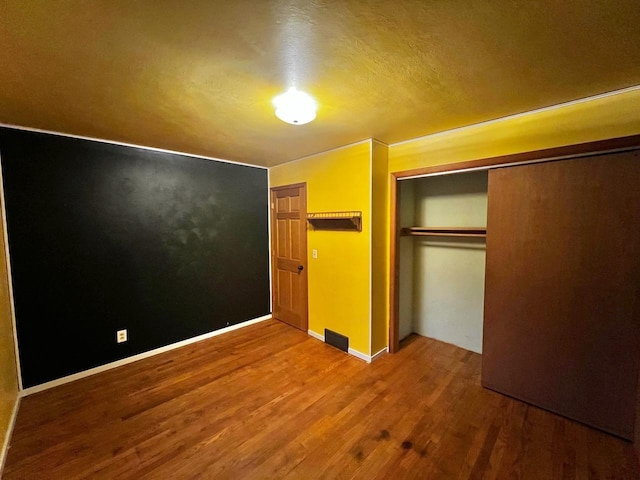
124, 144
307, 157
522, 114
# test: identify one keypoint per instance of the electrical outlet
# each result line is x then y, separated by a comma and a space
121, 336
314, 253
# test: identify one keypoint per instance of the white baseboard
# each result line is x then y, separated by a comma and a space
7, 436
376, 356
365, 357
316, 335
135, 358
360, 355
355, 353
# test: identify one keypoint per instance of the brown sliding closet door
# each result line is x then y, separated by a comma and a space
562, 309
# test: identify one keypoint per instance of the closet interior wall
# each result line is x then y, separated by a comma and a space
441, 278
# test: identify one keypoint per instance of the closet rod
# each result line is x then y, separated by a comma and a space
444, 231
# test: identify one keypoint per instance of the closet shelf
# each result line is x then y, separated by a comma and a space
477, 232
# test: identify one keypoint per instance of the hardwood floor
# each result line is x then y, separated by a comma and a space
268, 401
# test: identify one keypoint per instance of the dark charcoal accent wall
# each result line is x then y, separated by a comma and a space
104, 237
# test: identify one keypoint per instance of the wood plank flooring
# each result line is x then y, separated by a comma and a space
268, 401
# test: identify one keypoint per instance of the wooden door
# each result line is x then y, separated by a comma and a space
562, 293
289, 254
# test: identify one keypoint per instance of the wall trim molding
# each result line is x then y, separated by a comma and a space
360, 355
134, 358
306, 157
8, 434
377, 355
352, 352
370, 302
124, 144
269, 239
316, 335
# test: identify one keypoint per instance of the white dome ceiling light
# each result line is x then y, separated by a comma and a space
295, 107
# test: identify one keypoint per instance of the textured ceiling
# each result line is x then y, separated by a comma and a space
199, 76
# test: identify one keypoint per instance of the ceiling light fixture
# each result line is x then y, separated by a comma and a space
295, 107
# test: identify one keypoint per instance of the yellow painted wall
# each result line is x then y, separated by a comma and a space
8, 376
339, 279
598, 119
379, 245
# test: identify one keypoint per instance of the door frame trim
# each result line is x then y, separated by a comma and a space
303, 217
587, 149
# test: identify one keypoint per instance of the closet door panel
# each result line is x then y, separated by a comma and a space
562, 326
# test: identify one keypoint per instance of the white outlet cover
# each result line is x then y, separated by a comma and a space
121, 336
314, 253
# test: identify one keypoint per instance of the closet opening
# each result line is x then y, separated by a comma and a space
441, 249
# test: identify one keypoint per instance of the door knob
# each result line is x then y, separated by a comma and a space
300, 268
